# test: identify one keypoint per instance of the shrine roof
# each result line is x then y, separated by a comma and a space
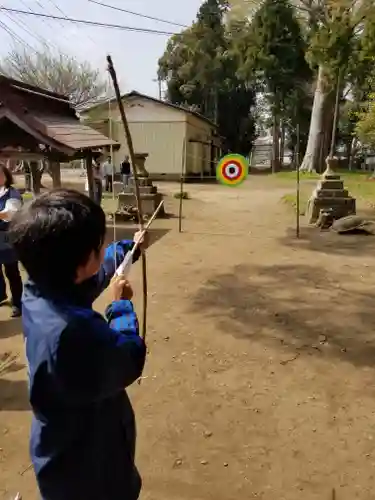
48, 117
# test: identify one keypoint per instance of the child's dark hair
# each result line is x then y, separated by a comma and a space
55, 234
8, 176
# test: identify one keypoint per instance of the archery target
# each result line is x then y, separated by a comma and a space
232, 170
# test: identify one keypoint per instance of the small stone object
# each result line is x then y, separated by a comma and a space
353, 224
325, 219
204, 462
207, 434
226, 464
178, 462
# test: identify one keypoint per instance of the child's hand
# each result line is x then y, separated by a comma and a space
143, 241
120, 289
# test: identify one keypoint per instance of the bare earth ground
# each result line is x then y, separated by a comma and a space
260, 377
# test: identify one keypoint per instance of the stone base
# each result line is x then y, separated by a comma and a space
117, 187
149, 203
329, 196
340, 207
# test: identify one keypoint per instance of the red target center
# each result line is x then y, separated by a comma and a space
232, 170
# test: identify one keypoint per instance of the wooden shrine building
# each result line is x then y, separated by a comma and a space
36, 124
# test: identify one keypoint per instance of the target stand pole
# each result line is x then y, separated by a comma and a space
183, 170
298, 186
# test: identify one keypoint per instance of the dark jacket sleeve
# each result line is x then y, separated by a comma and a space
113, 257
96, 360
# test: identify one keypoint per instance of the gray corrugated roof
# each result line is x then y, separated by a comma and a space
135, 94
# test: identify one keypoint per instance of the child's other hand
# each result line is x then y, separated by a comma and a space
143, 241
121, 289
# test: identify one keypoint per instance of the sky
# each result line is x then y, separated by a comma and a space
135, 55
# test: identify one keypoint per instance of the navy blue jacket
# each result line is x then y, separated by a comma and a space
83, 430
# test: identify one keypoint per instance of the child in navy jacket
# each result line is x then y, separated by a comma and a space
83, 429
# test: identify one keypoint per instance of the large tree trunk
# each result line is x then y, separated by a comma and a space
325, 145
319, 133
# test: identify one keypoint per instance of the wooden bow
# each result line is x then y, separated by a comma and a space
129, 140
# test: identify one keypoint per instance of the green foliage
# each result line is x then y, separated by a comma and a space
365, 127
276, 49
362, 79
275, 54
200, 66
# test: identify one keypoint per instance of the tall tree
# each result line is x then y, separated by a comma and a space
362, 76
201, 73
56, 72
331, 27
276, 55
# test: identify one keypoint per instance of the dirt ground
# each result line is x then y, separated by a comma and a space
260, 376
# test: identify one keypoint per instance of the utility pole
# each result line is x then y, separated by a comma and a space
158, 81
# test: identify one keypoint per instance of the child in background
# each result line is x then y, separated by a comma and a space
83, 430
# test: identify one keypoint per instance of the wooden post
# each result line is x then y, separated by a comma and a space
183, 172
298, 181
55, 171
90, 176
36, 176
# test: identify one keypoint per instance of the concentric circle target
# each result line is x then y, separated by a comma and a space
232, 170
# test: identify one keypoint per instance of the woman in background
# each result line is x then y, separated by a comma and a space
10, 202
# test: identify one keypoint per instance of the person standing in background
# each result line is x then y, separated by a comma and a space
97, 173
108, 172
125, 171
10, 203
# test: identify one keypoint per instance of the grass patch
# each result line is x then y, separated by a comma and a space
364, 190
27, 196
354, 176
184, 195
292, 176
291, 200
359, 184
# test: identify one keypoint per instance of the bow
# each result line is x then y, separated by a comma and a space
129, 140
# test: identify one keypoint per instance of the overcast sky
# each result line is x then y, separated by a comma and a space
135, 55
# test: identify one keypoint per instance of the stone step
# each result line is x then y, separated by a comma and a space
331, 177
328, 184
329, 201
332, 193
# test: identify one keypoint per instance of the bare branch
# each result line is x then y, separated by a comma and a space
56, 72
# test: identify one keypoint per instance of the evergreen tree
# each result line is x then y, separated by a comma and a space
276, 56
200, 68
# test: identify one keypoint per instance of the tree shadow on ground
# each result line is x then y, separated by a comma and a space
10, 327
127, 233
329, 242
300, 307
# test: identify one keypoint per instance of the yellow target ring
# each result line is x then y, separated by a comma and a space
232, 170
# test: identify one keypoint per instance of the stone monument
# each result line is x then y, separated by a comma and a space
150, 198
330, 196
